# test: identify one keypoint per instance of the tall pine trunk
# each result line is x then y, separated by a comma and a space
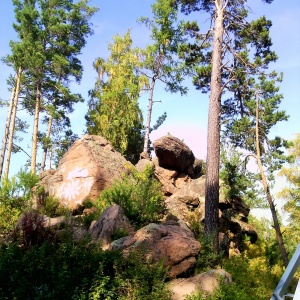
211, 227
6, 130
149, 114
12, 122
267, 190
35, 129
43, 164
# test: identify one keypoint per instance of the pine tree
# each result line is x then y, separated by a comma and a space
56, 32
218, 56
251, 131
22, 58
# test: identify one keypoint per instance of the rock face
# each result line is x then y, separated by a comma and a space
110, 222
206, 283
90, 165
183, 184
172, 242
173, 153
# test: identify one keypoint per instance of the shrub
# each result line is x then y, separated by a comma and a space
68, 271
207, 257
15, 195
140, 279
52, 208
139, 194
30, 231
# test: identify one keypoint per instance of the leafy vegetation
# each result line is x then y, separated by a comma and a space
229, 60
50, 264
114, 111
139, 194
67, 271
15, 198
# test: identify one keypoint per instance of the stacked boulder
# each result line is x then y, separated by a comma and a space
92, 164
183, 184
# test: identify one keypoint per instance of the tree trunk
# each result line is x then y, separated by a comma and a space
46, 148
12, 122
268, 194
6, 130
35, 129
150, 105
213, 138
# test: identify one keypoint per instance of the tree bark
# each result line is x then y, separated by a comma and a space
267, 190
43, 164
6, 130
35, 128
149, 113
213, 138
14, 107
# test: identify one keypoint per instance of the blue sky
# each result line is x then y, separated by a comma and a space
187, 115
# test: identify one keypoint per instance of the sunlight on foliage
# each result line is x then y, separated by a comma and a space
139, 194
15, 197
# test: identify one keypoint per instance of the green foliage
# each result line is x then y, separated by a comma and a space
51, 35
159, 61
139, 194
143, 280
52, 208
253, 278
260, 106
114, 112
119, 233
237, 180
49, 271
15, 196
291, 194
69, 271
207, 258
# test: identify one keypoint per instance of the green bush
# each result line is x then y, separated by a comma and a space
52, 208
142, 280
139, 194
252, 280
15, 196
68, 271
207, 258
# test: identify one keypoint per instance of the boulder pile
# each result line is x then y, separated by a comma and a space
92, 164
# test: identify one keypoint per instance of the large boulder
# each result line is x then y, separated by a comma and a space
111, 221
90, 165
166, 177
173, 154
188, 202
171, 242
205, 284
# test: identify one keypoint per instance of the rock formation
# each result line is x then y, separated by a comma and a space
90, 165
184, 188
171, 242
173, 153
205, 283
111, 221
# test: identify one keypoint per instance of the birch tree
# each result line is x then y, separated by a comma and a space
114, 111
158, 60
